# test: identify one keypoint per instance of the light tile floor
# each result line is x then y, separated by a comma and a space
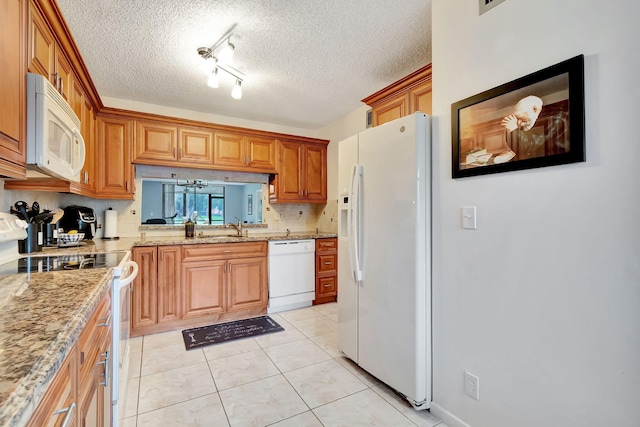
295, 378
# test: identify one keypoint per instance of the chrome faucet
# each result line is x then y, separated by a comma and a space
237, 226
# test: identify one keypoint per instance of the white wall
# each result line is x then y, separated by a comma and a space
542, 302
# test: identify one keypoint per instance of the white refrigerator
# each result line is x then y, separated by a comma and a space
384, 254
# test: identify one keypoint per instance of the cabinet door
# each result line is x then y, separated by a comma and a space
115, 172
247, 283
229, 150
61, 394
420, 98
195, 146
155, 141
41, 49
169, 283
88, 130
145, 298
89, 415
12, 88
390, 110
203, 285
63, 75
261, 154
315, 173
289, 179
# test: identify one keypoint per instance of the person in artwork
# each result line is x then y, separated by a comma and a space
528, 140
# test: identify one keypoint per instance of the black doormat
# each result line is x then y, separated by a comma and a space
223, 332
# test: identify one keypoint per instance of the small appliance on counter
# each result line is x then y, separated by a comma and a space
80, 218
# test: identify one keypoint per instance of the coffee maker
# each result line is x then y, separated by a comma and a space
79, 218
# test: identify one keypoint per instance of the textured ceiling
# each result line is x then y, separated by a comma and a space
307, 63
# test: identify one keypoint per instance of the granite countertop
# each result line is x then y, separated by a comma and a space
42, 315
211, 238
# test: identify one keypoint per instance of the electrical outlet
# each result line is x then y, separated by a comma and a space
472, 385
133, 211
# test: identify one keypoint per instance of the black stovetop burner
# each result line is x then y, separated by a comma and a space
34, 264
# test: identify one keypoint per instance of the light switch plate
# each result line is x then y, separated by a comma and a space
469, 218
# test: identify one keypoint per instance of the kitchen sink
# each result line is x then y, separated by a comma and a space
218, 236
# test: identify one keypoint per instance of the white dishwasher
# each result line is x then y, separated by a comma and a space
292, 277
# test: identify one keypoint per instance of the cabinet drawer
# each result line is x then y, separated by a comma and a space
326, 245
325, 286
223, 251
95, 333
325, 263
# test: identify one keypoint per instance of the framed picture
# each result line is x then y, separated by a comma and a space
250, 204
531, 122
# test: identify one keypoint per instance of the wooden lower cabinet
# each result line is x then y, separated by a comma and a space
144, 301
326, 271
204, 285
188, 285
246, 279
60, 401
169, 260
80, 393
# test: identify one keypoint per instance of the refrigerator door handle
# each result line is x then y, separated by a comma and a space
350, 234
356, 222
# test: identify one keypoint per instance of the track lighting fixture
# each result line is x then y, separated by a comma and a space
222, 63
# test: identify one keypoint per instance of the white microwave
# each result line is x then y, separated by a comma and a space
55, 147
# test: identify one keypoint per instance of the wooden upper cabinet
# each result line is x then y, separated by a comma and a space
228, 150
302, 173
13, 90
41, 45
195, 145
390, 110
45, 56
406, 96
261, 153
155, 141
235, 151
114, 170
315, 176
288, 184
63, 74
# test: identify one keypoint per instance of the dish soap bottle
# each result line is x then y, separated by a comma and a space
189, 229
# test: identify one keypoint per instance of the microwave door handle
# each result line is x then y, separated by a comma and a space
79, 142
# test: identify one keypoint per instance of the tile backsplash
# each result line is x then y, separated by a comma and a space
278, 217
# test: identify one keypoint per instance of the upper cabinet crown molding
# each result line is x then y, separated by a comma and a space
406, 96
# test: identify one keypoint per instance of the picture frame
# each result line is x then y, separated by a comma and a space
250, 204
531, 122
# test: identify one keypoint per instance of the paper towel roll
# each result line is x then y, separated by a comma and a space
110, 224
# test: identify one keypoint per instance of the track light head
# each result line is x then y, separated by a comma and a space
214, 79
236, 92
226, 54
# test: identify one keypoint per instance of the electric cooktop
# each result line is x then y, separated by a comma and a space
37, 264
